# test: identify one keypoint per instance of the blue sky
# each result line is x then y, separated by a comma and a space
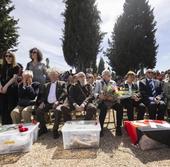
41, 25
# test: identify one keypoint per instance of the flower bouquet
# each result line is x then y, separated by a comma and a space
125, 93
110, 94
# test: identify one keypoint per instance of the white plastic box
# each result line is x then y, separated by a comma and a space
81, 134
12, 140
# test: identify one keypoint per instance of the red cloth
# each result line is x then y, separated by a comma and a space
131, 127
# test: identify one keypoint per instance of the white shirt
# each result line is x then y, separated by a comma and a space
151, 80
52, 93
130, 87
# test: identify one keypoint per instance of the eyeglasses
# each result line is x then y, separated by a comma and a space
150, 72
82, 76
89, 77
8, 55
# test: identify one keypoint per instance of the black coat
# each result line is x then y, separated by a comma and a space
61, 92
7, 73
146, 92
27, 95
126, 86
79, 94
9, 100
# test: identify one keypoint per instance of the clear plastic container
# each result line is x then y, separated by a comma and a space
11, 140
81, 134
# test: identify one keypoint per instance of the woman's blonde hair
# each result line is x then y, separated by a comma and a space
13, 58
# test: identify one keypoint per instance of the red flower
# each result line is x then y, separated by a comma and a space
23, 129
34, 121
20, 126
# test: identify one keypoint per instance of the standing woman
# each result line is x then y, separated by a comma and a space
35, 65
8, 86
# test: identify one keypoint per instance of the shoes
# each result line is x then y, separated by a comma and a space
118, 131
42, 131
56, 134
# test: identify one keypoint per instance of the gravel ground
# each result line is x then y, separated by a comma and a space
113, 151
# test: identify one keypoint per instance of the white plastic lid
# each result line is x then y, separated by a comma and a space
71, 126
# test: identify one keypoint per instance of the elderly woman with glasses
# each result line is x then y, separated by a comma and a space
36, 66
8, 86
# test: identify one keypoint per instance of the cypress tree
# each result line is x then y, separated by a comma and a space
81, 35
8, 27
133, 42
101, 66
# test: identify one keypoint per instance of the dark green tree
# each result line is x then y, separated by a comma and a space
133, 41
8, 27
101, 66
81, 35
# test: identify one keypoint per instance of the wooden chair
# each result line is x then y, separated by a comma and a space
111, 117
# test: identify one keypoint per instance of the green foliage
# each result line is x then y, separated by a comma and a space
101, 66
8, 27
81, 35
133, 41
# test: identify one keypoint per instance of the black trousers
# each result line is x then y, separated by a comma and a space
90, 111
61, 109
7, 102
129, 104
156, 111
40, 115
103, 111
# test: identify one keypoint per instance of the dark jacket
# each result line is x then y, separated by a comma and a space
126, 86
146, 92
7, 73
79, 94
60, 92
27, 95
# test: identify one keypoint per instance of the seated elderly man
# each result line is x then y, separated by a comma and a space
27, 94
152, 96
90, 82
107, 101
80, 98
52, 97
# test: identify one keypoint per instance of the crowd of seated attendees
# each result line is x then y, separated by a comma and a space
38, 90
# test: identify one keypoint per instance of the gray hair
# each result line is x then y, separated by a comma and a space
80, 74
106, 72
28, 72
52, 70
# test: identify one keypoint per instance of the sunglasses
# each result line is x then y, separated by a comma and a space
8, 55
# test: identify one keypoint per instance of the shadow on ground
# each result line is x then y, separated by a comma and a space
109, 144
144, 156
10, 158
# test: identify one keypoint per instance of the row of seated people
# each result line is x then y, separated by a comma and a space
78, 95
